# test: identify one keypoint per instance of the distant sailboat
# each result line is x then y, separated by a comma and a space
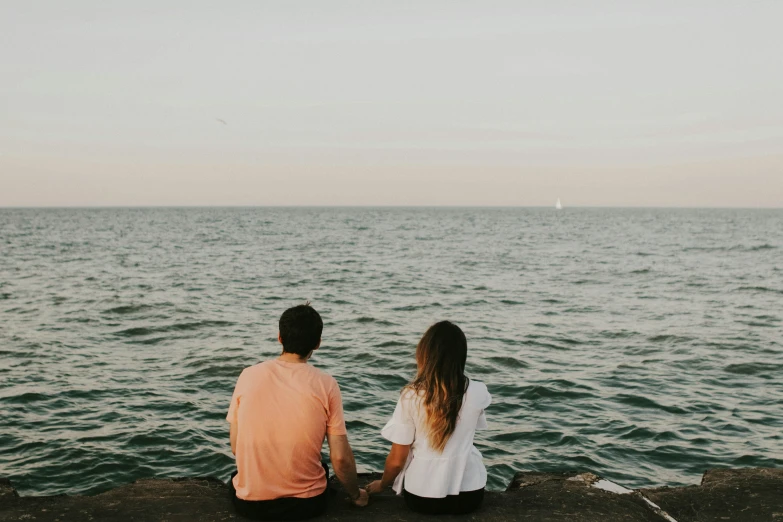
558, 206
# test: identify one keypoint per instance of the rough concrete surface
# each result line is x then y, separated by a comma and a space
745, 495
753, 495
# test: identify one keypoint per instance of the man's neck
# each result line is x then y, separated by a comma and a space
292, 358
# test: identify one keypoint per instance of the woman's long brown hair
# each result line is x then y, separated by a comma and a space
441, 382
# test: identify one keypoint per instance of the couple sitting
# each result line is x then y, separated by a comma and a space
283, 408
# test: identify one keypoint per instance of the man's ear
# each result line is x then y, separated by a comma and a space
279, 338
317, 345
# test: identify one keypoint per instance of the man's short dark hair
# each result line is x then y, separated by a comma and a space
300, 329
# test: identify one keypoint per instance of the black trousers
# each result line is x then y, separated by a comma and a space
465, 502
286, 508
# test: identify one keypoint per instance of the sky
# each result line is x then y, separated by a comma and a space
331, 102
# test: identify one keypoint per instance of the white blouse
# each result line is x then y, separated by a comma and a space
428, 473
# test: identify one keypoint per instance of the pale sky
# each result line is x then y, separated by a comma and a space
370, 102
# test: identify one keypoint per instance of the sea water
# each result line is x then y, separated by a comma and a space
643, 345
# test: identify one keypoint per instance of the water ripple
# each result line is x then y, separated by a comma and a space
643, 345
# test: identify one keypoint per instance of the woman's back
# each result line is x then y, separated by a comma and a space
433, 473
432, 460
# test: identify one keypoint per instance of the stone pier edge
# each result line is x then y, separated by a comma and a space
742, 495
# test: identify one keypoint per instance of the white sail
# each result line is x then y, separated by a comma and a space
558, 206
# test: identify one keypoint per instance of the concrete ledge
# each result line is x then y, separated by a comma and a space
745, 495
726, 494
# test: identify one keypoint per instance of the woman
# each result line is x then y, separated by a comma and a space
432, 461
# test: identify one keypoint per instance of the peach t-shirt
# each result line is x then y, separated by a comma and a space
283, 411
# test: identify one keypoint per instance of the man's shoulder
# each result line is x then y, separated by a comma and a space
322, 375
314, 375
260, 367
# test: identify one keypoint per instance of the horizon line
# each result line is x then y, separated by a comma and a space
661, 207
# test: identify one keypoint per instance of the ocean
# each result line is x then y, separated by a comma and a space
643, 345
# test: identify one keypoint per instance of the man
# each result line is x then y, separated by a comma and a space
280, 413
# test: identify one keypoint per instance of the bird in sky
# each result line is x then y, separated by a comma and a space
221, 121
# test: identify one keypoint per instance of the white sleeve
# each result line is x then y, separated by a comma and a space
401, 428
481, 423
487, 398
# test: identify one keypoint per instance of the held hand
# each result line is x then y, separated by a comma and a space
374, 487
362, 500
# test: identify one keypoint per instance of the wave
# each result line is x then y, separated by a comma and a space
212, 360
767, 318
132, 309
148, 439
760, 289
230, 372
758, 324
753, 368
514, 436
674, 339
550, 392
508, 362
367, 319
706, 249
412, 308
389, 344
177, 327
586, 282
638, 401
26, 398
355, 424
134, 332
151, 341
640, 433
541, 344
622, 334
561, 339
743, 248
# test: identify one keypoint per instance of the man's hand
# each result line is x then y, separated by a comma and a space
362, 500
345, 468
374, 487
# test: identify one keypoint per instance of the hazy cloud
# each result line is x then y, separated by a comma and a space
487, 103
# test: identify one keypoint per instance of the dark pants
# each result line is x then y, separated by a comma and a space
286, 508
465, 502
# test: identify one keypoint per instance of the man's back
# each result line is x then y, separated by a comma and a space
283, 410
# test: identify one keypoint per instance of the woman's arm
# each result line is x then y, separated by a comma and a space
395, 462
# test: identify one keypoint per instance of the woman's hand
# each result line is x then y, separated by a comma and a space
374, 487
395, 463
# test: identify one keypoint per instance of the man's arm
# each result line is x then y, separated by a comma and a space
344, 465
232, 434
233, 417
